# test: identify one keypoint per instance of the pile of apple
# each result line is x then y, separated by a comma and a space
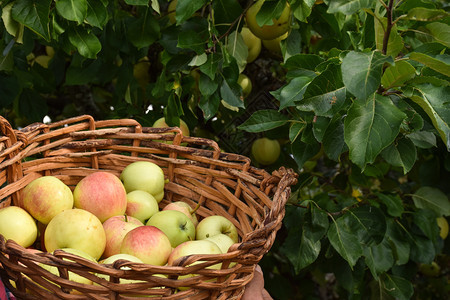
107, 218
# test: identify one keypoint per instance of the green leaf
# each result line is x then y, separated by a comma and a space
400, 245
303, 150
397, 287
423, 139
422, 249
440, 32
393, 203
361, 72
303, 61
372, 224
32, 105
397, 74
237, 48
263, 120
379, 258
432, 63
269, 10
231, 94
186, 8
34, 14
13, 27
293, 91
395, 42
326, 93
343, 238
209, 105
434, 101
333, 139
207, 86
72, 10
212, 64
7, 61
425, 219
304, 251
425, 14
86, 43
198, 60
295, 130
302, 9
190, 39
401, 153
143, 30
137, 2
371, 126
97, 14
348, 7
432, 198
79, 75
9, 89
226, 11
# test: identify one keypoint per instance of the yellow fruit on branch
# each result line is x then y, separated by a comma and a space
443, 226
268, 32
253, 44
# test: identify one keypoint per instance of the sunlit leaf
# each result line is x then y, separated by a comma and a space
34, 14
432, 198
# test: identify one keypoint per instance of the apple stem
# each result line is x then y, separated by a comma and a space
126, 217
195, 209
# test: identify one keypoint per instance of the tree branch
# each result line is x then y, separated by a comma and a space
389, 25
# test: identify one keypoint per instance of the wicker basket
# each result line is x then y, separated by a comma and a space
198, 172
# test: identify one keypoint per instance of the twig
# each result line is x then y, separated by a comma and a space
389, 25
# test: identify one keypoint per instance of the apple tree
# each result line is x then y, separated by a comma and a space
356, 93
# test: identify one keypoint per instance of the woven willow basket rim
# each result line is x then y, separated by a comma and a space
199, 174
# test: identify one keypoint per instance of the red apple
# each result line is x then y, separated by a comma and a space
116, 228
102, 194
147, 243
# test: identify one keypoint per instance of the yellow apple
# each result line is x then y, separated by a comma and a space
102, 194
266, 151
161, 123
222, 240
246, 84
443, 227
252, 42
144, 176
268, 32
274, 45
45, 197
18, 225
76, 228
43, 60
141, 205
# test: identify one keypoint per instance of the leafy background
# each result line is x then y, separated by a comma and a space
358, 98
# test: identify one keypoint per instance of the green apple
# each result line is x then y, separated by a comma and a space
145, 176
252, 42
184, 208
222, 240
116, 228
213, 225
18, 225
268, 32
102, 194
245, 83
72, 275
148, 243
121, 256
45, 197
76, 228
266, 151
176, 225
443, 227
141, 72
431, 270
141, 205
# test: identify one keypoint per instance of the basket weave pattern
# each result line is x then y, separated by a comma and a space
199, 173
